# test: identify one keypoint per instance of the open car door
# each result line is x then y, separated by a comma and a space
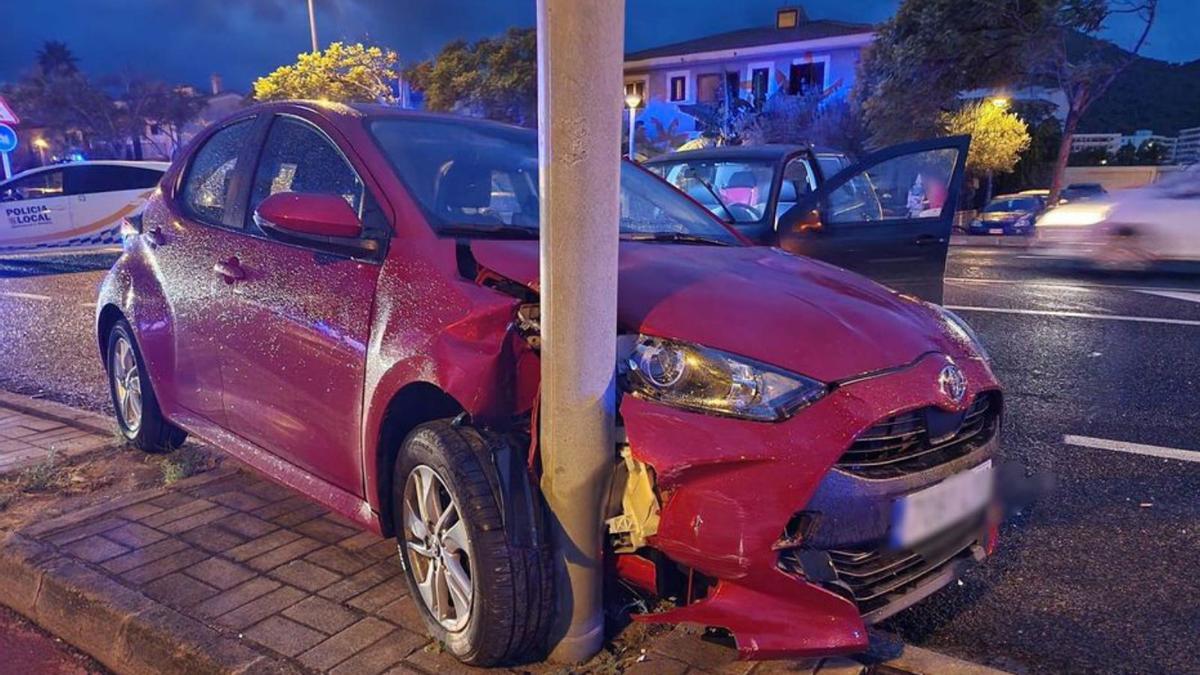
887, 217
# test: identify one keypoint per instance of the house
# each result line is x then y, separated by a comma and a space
162, 141
796, 54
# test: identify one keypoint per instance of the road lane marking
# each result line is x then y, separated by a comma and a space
1120, 287
1186, 296
1132, 448
26, 296
1075, 315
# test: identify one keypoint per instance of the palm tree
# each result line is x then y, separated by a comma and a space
55, 57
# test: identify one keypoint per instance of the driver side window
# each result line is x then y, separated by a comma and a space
912, 186
797, 181
38, 186
298, 158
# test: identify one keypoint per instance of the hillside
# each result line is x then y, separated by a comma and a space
1150, 94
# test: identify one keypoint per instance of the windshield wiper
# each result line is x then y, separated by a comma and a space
496, 231
677, 237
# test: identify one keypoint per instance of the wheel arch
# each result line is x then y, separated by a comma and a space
108, 317
412, 405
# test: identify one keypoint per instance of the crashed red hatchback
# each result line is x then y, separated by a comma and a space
346, 298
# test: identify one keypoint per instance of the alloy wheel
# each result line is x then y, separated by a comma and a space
127, 384
436, 537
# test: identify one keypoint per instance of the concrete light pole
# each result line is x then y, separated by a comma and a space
632, 101
580, 52
41, 145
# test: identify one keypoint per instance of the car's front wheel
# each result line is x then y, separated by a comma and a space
138, 416
484, 592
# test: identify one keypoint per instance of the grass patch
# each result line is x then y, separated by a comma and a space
184, 463
45, 476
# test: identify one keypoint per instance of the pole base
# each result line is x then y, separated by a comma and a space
575, 649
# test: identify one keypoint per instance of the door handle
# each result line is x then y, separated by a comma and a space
229, 270
155, 235
926, 239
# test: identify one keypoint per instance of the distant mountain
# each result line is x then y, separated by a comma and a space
1151, 94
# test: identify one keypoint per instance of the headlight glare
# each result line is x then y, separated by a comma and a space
709, 380
960, 330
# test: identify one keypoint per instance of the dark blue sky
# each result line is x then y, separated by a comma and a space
186, 40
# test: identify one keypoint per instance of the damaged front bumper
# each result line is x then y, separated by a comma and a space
790, 524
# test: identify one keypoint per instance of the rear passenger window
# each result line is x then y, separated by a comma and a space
83, 180
206, 190
299, 158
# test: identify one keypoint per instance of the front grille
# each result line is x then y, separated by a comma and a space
901, 445
877, 578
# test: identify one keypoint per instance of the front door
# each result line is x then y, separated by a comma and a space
295, 364
36, 211
887, 217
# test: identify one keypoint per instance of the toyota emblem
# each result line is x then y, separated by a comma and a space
953, 383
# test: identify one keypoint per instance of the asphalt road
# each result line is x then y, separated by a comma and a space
1099, 574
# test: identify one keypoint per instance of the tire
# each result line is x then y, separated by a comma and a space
142, 425
508, 614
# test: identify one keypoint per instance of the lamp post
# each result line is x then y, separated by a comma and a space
632, 101
1000, 102
312, 26
41, 145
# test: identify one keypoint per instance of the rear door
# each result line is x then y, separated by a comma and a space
887, 217
101, 195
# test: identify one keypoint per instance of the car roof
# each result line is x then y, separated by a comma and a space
1016, 195
769, 151
339, 113
157, 166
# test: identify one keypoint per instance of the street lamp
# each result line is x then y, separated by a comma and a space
42, 145
1000, 102
632, 100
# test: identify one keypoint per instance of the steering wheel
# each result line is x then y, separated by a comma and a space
744, 214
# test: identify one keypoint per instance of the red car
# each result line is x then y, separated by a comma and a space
346, 298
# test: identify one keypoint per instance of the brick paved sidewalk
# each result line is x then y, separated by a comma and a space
32, 430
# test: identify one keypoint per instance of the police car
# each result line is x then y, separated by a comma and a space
77, 205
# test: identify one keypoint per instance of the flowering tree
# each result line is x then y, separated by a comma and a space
998, 137
341, 73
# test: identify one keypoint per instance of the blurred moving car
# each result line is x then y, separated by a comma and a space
1134, 230
79, 205
1013, 214
887, 216
347, 299
1081, 192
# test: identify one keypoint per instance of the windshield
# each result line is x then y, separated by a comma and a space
1021, 204
477, 179
735, 190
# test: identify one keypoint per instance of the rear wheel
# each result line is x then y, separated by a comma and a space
138, 416
485, 597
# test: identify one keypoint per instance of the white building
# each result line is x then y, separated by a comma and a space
1112, 142
1187, 150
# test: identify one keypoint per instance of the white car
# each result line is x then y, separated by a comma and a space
78, 205
1132, 230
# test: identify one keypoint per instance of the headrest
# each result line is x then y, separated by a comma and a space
464, 186
742, 179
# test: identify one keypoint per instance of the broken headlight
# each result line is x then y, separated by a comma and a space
709, 380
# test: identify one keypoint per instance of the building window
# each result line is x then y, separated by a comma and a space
807, 76
787, 18
733, 85
678, 87
708, 87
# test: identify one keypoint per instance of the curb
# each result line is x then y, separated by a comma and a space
992, 241
919, 661
122, 629
58, 412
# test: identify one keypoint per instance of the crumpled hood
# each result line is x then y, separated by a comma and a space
789, 311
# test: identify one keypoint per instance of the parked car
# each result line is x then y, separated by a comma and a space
888, 216
1134, 230
1013, 214
79, 205
1081, 192
346, 299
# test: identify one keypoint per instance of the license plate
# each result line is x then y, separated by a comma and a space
996, 230
922, 514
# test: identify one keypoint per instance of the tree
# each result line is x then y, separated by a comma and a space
494, 78
931, 51
1089, 157
1150, 153
1126, 155
171, 109
56, 58
341, 73
1084, 67
998, 137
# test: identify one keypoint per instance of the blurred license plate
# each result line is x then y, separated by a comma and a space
996, 230
922, 514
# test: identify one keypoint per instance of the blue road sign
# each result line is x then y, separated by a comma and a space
8, 138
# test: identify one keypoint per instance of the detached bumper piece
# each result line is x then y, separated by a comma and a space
882, 581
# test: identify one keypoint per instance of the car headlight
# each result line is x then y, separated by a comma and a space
709, 380
960, 330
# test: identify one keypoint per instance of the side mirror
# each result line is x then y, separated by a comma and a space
309, 216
